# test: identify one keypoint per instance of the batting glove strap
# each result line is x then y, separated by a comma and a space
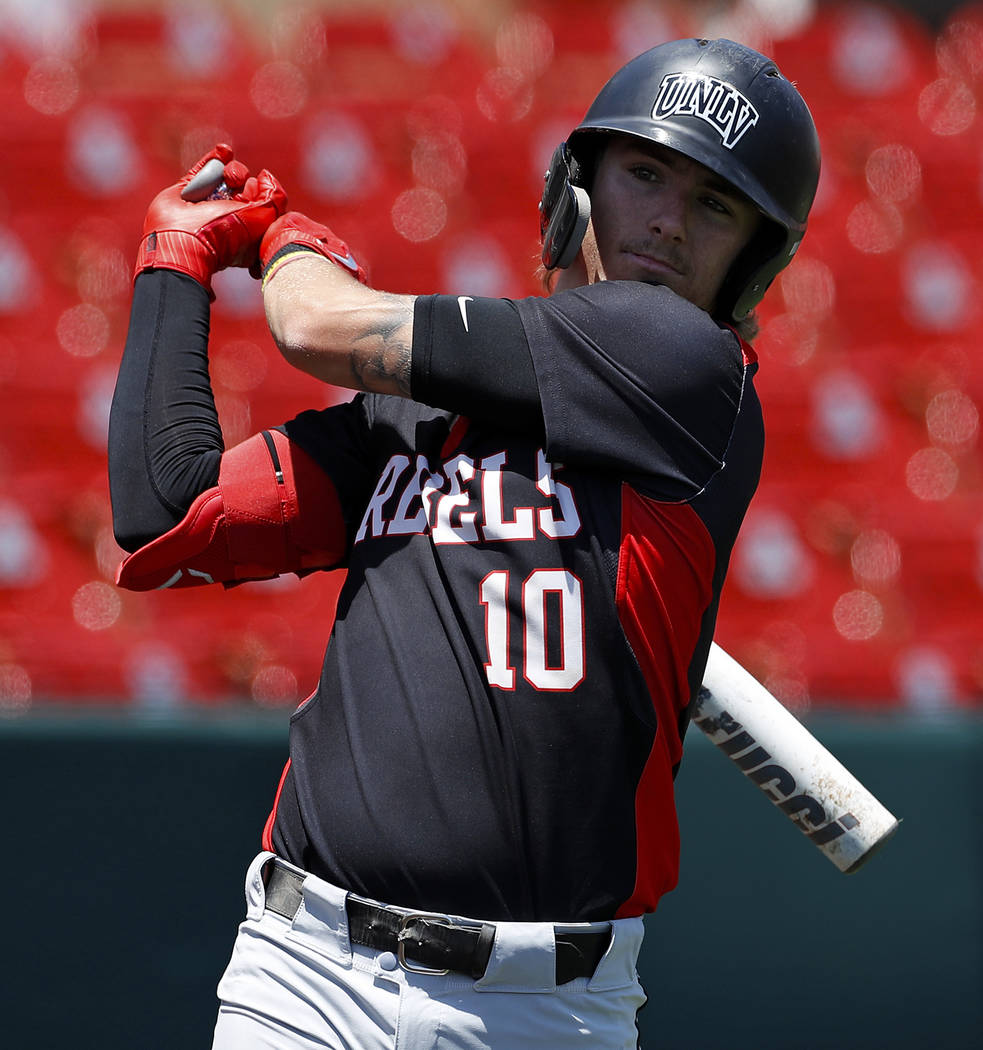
294, 231
177, 250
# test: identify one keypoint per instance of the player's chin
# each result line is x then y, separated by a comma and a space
661, 282
679, 286
658, 278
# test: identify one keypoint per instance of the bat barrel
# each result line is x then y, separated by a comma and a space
794, 770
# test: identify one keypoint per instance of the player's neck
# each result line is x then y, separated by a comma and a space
578, 274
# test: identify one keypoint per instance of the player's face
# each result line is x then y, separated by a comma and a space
659, 217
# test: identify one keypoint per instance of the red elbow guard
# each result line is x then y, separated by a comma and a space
273, 511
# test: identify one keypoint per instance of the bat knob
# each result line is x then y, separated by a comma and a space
207, 183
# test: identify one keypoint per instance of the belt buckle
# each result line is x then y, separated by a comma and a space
402, 937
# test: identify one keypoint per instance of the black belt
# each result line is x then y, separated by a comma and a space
428, 943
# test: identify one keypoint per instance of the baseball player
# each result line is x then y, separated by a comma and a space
535, 501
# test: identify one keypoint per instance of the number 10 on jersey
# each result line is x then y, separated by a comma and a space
552, 629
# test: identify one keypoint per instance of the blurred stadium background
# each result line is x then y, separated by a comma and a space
421, 131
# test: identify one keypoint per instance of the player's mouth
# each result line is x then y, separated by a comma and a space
656, 267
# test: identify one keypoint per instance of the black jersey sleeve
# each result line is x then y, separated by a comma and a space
637, 380
470, 357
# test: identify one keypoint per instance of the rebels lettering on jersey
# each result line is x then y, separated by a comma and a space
462, 502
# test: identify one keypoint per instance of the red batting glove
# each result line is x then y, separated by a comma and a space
296, 231
201, 238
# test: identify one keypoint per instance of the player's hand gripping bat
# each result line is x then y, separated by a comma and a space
213, 218
776, 752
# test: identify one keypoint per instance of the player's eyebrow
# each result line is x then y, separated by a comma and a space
714, 182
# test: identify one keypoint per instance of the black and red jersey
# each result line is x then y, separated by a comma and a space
535, 548
528, 608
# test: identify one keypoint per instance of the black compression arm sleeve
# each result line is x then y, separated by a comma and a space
165, 441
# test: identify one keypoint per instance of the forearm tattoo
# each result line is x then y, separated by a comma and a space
381, 354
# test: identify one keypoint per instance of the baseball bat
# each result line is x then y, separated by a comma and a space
796, 772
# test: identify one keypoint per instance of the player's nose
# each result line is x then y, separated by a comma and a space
667, 216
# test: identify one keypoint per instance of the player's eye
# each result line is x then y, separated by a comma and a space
716, 204
645, 172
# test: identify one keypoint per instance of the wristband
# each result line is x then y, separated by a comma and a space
281, 257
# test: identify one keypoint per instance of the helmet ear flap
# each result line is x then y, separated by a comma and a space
564, 211
753, 271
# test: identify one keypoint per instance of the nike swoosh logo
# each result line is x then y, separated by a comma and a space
349, 261
462, 302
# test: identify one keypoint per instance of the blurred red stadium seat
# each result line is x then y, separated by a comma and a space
875, 320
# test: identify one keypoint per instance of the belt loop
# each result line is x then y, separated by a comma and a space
319, 919
523, 959
618, 965
255, 884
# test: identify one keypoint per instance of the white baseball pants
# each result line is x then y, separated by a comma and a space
301, 984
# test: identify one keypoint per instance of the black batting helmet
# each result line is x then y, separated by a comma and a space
728, 107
